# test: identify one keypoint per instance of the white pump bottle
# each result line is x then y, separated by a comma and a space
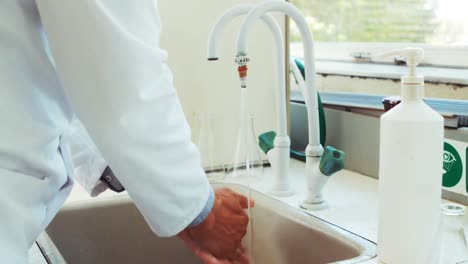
410, 176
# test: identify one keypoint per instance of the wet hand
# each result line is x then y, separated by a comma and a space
217, 240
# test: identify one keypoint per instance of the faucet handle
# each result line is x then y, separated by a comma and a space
332, 161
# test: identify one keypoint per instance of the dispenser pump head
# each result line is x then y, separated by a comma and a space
413, 57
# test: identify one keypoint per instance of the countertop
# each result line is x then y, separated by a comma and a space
352, 199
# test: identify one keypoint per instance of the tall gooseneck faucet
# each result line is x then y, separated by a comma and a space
282, 142
314, 148
317, 170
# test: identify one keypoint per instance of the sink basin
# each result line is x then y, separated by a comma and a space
111, 230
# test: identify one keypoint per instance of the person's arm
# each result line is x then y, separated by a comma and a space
86, 164
108, 58
91, 171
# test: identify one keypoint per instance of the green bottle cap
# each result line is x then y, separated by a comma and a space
332, 161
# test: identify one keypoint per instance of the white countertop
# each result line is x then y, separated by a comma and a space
352, 199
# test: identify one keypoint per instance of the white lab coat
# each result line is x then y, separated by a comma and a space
110, 72
86, 162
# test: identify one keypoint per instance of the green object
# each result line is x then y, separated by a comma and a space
299, 155
322, 123
266, 141
453, 167
332, 161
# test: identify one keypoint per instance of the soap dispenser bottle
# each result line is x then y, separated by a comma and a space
410, 173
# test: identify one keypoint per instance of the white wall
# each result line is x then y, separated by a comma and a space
213, 86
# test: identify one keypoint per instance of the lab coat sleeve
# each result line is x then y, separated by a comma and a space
108, 58
86, 161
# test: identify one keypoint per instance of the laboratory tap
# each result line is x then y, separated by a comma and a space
317, 170
279, 156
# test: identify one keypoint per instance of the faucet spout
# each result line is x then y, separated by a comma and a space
316, 178
231, 14
314, 149
213, 43
279, 157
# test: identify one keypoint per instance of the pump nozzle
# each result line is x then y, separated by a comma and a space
413, 57
412, 84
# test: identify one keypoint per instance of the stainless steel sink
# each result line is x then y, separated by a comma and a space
111, 230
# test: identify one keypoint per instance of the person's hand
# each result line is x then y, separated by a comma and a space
207, 257
217, 240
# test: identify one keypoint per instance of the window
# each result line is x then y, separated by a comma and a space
346, 29
349, 33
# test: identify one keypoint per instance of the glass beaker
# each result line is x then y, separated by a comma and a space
247, 163
209, 147
453, 247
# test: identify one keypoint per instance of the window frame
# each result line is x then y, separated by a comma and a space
441, 64
455, 56
439, 59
